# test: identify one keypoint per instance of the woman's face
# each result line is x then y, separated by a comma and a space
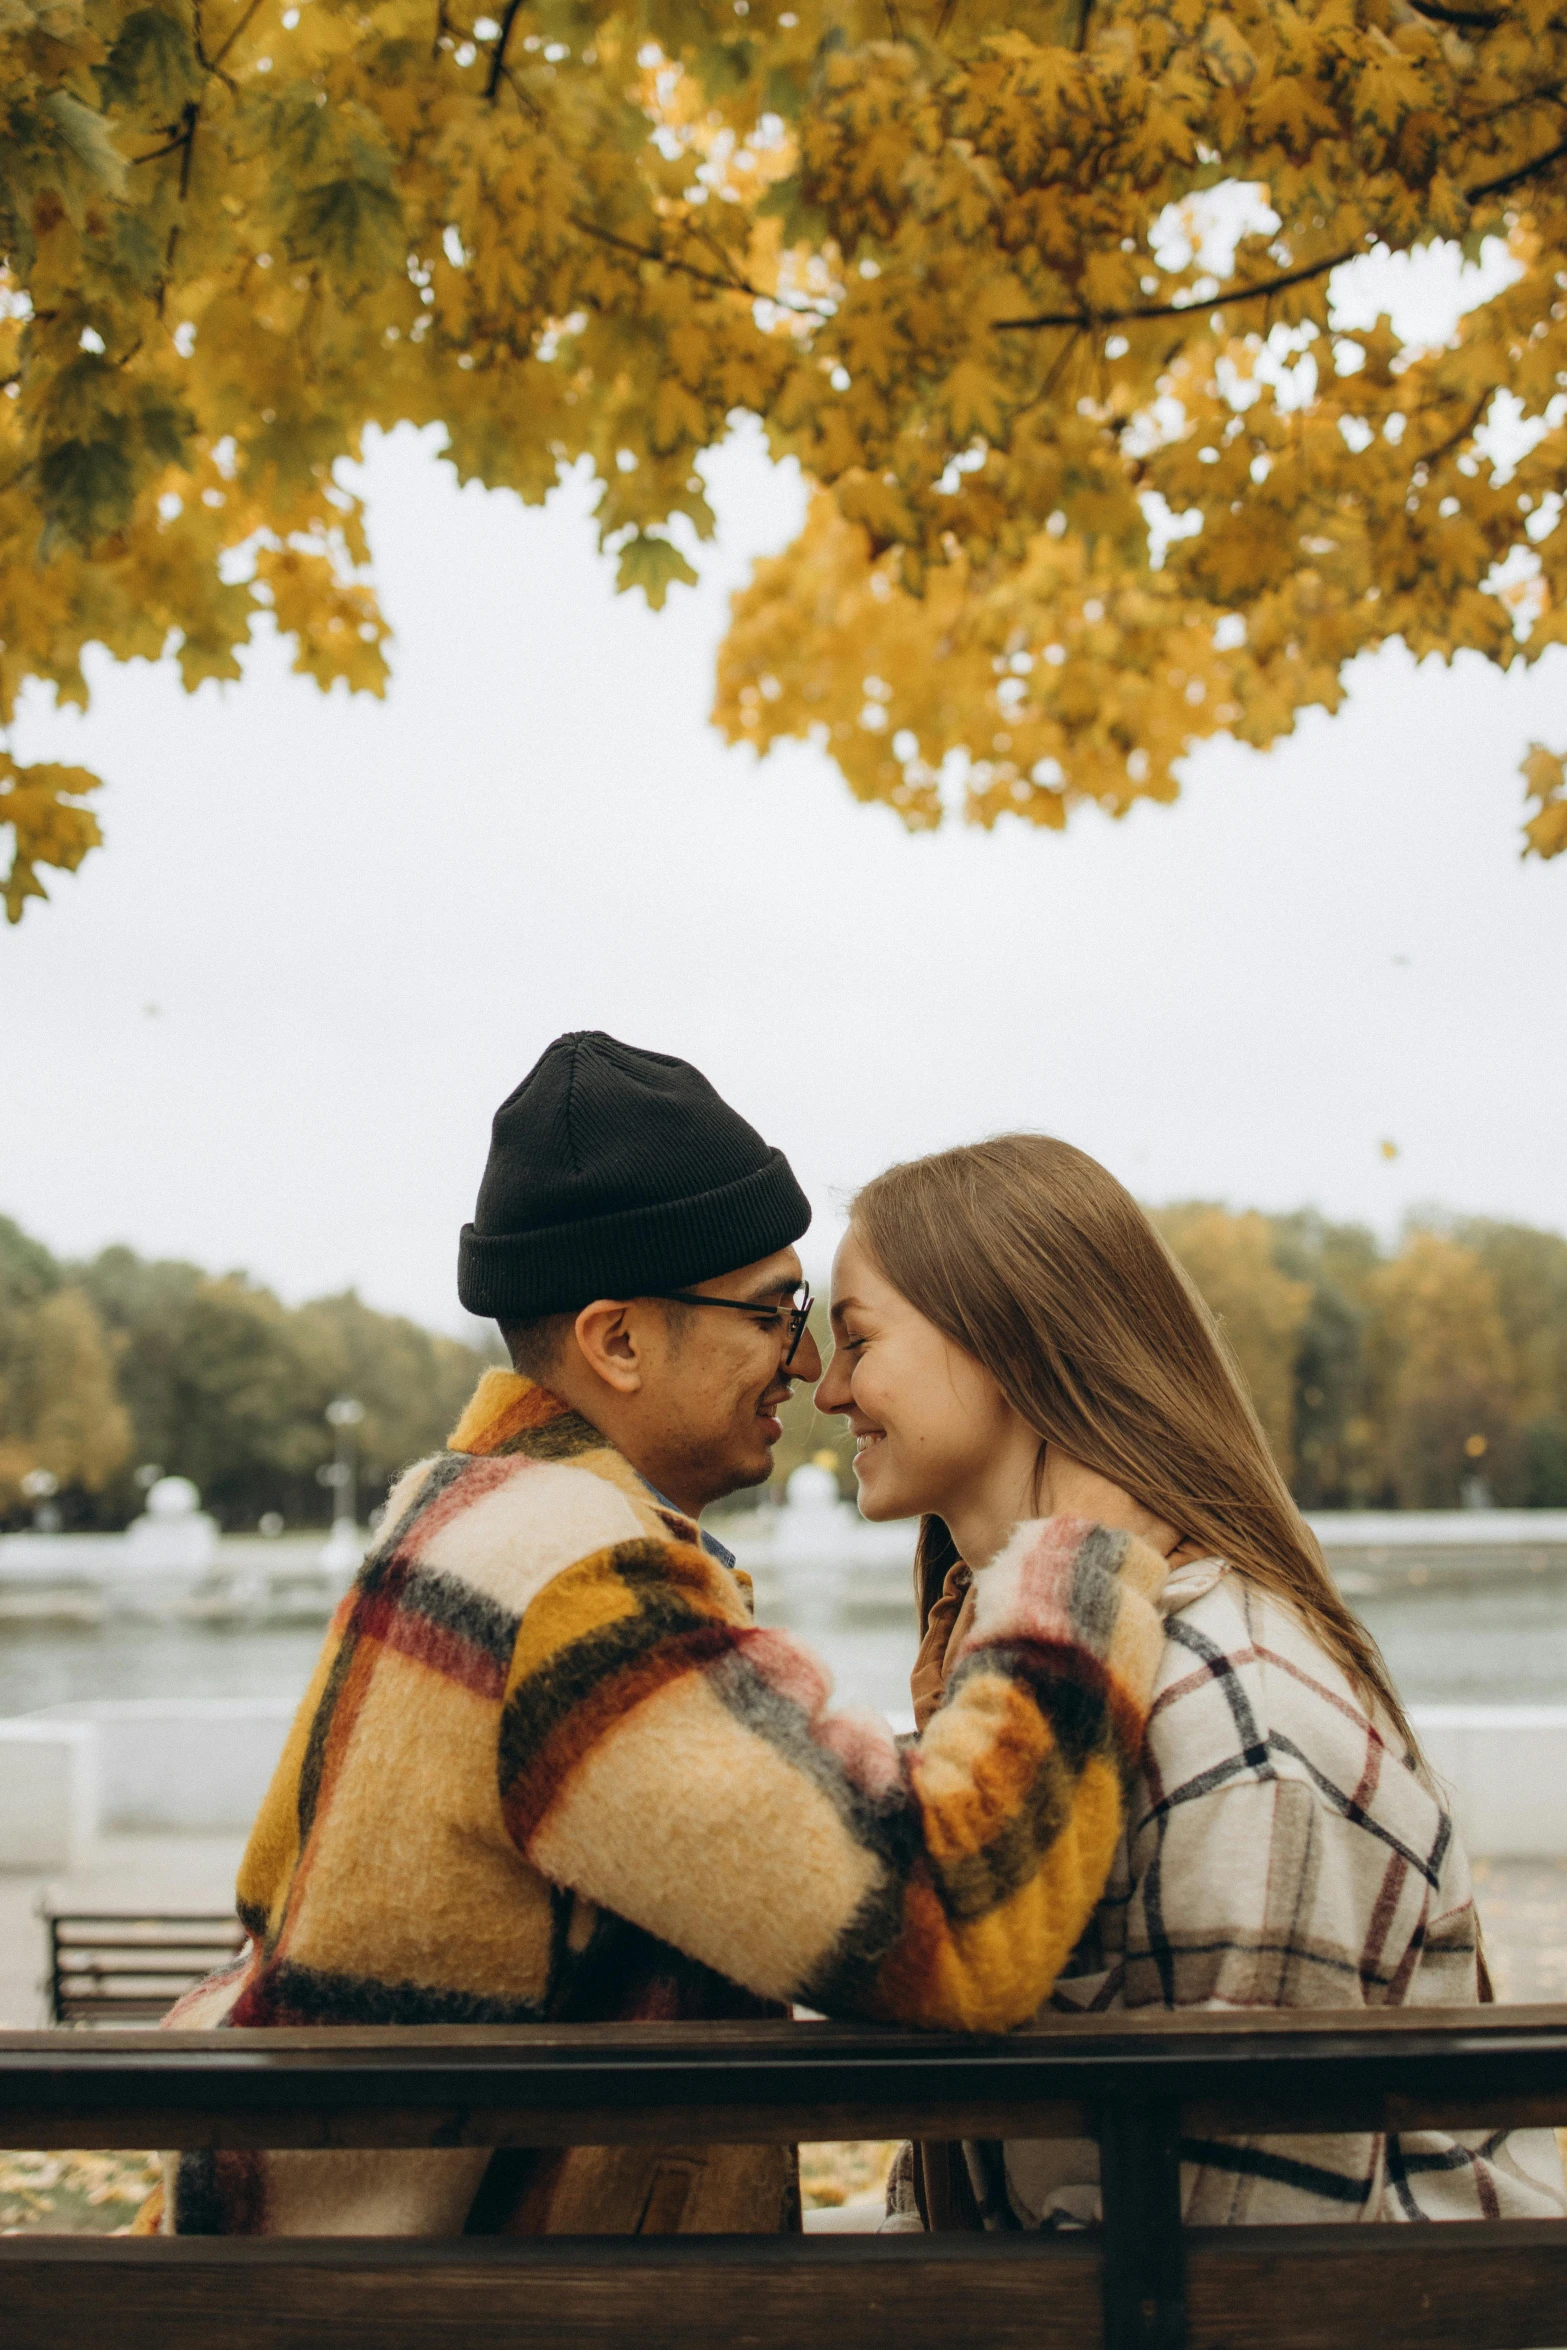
928, 1420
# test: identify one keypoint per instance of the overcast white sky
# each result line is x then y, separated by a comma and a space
267, 1025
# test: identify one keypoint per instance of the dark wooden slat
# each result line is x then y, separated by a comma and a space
142, 1933
219, 1920
153, 1945
670, 2293
1222, 2033
123, 1963
1464, 2286
87, 2127
78, 1957
1143, 2244
1230, 2029
769, 2083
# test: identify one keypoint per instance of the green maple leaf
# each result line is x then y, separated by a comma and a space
653, 565
151, 64
354, 225
88, 490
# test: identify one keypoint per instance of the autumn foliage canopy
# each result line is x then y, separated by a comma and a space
1038, 295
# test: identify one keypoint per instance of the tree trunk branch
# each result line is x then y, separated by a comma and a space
1266, 286
1479, 20
730, 284
498, 56
1221, 301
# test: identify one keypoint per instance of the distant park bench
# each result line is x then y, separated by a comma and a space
1142, 2282
126, 1967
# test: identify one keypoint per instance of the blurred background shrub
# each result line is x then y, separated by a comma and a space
125, 1361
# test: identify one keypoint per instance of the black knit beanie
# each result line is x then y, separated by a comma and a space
617, 1173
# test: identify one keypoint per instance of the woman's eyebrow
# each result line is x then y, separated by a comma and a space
845, 1305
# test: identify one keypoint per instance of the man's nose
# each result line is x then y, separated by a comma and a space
807, 1363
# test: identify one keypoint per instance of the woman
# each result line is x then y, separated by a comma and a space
1014, 1341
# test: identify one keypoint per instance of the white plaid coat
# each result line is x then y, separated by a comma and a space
1281, 1851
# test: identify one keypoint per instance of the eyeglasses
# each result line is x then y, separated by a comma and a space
797, 1314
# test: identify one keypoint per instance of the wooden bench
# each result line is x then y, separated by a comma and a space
129, 1967
1142, 2282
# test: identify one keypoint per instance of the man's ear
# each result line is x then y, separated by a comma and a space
606, 1335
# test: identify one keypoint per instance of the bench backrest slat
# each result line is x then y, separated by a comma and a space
763, 2083
1501, 2286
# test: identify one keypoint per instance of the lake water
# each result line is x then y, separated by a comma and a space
1495, 1639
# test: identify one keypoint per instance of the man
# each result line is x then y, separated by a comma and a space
549, 1768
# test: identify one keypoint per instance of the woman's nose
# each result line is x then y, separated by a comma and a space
833, 1393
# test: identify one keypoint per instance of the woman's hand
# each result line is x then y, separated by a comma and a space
1071, 1490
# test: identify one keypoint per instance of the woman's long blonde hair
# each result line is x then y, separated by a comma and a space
1031, 1257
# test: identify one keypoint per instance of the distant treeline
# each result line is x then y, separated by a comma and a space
1393, 1380
1406, 1379
124, 1363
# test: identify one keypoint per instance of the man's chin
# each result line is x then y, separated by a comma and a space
740, 1474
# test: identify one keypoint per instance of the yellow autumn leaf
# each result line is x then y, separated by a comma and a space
1545, 774
973, 402
41, 804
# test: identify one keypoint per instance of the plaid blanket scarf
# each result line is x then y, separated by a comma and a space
1281, 1850
549, 1768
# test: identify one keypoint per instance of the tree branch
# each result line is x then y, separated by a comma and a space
498, 56
1548, 94
1272, 285
525, 98
213, 63
184, 138
1515, 179
155, 154
706, 238
1479, 20
730, 284
1434, 456
1222, 301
